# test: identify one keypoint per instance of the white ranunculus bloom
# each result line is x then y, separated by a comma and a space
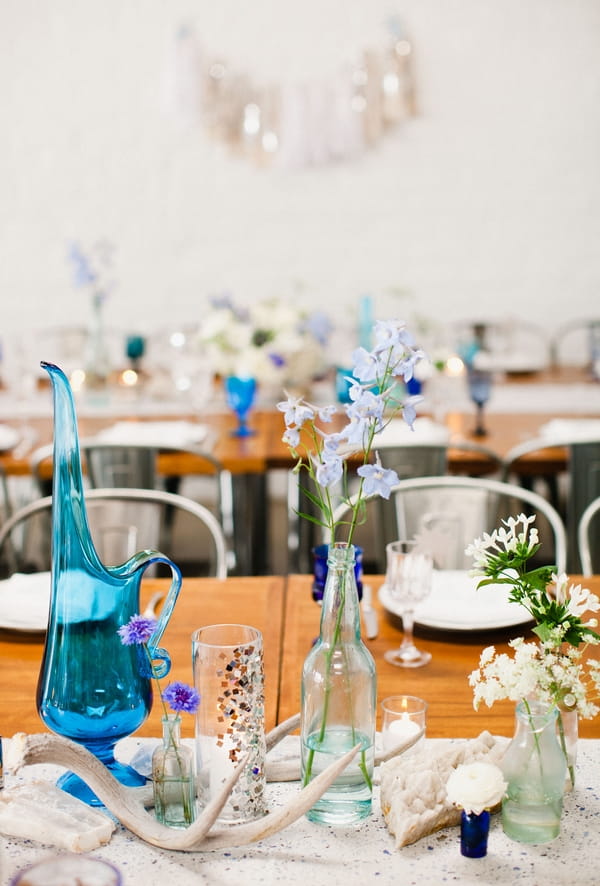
476, 786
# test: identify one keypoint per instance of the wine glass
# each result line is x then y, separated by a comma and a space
240, 393
135, 348
408, 580
480, 388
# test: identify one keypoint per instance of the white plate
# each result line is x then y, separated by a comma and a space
455, 604
161, 434
24, 601
9, 437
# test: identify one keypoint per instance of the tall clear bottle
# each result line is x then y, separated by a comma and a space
339, 697
173, 777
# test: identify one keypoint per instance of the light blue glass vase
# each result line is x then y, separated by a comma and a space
92, 689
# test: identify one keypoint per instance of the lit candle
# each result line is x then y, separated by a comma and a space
399, 730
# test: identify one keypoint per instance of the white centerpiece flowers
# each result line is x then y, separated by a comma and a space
554, 670
273, 340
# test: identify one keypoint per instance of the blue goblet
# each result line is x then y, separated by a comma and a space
240, 394
480, 388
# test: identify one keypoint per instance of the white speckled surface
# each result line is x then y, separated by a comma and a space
311, 854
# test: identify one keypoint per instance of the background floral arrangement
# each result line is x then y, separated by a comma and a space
272, 340
93, 269
375, 399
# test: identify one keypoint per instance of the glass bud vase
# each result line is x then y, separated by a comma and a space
339, 691
97, 368
534, 767
173, 777
474, 832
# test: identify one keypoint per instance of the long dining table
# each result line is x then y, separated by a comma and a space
264, 449
342, 856
283, 609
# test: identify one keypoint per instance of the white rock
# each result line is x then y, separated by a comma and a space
42, 812
413, 788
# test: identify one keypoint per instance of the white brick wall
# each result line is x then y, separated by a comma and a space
488, 201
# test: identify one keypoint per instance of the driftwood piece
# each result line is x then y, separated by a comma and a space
129, 805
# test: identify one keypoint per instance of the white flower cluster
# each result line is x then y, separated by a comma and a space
554, 669
549, 673
475, 787
272, 340
502, 541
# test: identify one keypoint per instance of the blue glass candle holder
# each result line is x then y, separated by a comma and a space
320, 571
343, 383
414, 387
474, 830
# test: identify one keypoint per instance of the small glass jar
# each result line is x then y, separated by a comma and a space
173, 777
474, 831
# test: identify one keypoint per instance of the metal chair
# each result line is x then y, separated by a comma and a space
122, 522
581, 481
134, 465
588, 536
460, 509
577, 343
423, 459
6, 506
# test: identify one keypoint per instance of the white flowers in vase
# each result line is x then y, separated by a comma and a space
272, 340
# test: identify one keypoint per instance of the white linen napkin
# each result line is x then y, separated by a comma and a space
571, 430
398, 433
161, 434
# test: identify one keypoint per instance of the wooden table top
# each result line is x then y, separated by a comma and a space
257, 601
443, 683
289, 619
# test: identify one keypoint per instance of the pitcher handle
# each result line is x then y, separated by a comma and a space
160, 657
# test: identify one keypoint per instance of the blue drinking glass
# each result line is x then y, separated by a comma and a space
135, 347
480, 388
240, 393
320, 571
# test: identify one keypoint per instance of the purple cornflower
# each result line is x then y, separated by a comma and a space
137, 631
181, 697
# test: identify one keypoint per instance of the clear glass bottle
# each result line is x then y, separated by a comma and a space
173, 777
339, 697
534, 767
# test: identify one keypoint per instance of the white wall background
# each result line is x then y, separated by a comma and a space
487, 202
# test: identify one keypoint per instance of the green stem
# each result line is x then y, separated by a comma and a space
563, 744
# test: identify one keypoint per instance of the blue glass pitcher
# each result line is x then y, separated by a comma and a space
92, 689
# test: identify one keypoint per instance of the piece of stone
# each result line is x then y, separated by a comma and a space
413, 787
40, 811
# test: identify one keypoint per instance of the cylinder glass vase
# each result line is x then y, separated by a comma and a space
229, 675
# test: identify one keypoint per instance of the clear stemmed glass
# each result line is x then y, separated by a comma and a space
408, 579
480, 388
240, 393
